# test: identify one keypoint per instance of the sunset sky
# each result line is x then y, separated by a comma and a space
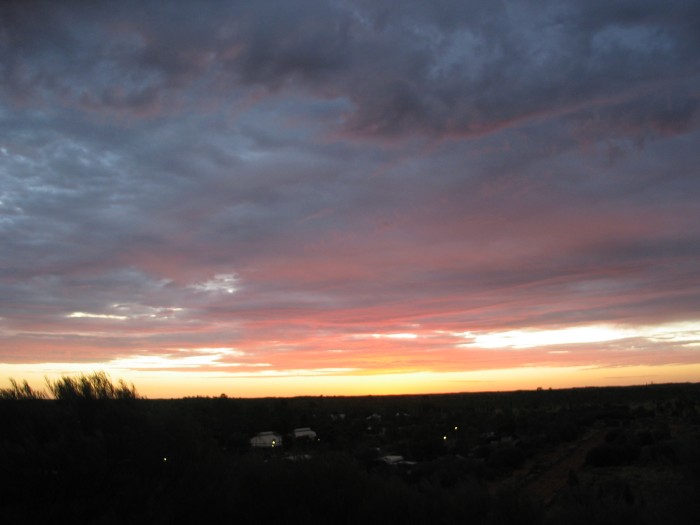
334, 197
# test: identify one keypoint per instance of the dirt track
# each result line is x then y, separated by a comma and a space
543, 476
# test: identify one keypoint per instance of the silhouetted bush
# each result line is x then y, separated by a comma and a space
20, 391
96, 386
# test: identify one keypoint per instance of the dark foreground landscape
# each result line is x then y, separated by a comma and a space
102, 455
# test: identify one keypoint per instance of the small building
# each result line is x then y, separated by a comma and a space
304, 433
266, 440
394, 460
391, 460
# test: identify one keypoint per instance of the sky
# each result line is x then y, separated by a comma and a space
306, 197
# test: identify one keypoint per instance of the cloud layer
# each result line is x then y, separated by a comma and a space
299, 182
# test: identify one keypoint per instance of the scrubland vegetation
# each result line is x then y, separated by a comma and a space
96, 452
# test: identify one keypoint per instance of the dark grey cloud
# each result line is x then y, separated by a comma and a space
454, 68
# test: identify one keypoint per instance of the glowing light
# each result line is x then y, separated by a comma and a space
675, 333
395, 336
181, 359
225, 350
130, 311
532, 338
688, 332
88, 315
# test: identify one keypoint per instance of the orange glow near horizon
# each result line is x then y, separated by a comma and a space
171, 384
400, 362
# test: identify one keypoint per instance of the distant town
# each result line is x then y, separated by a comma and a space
590, 455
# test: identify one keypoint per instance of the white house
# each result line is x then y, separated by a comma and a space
395, 460
391, 460
266, 440
304, 432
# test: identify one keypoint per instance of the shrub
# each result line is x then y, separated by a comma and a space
96, 386
23, 391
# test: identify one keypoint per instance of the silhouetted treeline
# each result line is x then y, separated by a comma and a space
99, 453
